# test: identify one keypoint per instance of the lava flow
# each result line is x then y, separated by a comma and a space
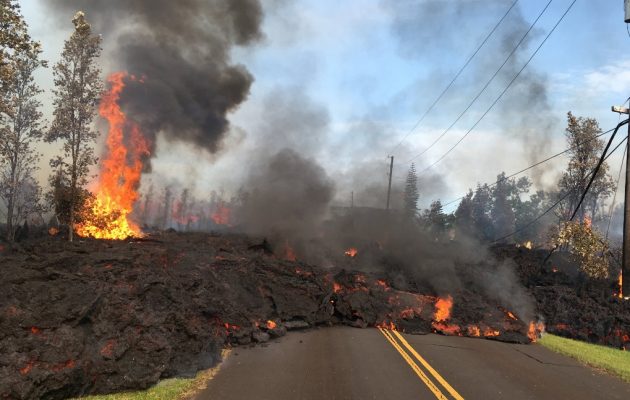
107, 215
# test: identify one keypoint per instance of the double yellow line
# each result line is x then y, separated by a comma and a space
391, 336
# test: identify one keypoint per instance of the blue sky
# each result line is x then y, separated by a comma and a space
370, 68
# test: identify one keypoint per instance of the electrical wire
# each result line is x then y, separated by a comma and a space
535, 165
483, 89
454, 79
503, 92
592, 175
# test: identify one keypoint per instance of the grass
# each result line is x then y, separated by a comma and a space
616, 362
168, 389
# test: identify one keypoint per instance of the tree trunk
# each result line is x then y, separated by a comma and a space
71, 223
10, 224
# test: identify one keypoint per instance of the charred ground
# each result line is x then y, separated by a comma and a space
104, 316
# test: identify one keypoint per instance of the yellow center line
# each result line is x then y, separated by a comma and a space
426, 365
438, 394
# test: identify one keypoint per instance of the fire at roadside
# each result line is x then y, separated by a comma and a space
106, 316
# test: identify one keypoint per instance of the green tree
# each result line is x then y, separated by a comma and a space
586, 149
78, 88
481, 206
20, 130
411, 194
464, 221
437, 220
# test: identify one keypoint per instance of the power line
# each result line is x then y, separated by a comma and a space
474, 100
454, 78
592, 176
504, 90
536, 164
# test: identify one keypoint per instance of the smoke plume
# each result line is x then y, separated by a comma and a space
180, 51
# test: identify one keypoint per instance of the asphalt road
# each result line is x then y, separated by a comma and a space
348, 363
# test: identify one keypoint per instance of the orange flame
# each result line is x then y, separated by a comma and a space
473, 330
271, 324
512, 316
351, 252
443, 308
222, 215
620, 283
120, 174
535, 330
289, 254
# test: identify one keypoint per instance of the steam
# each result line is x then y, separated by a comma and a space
180, 51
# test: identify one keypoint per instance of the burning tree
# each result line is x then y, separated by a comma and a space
77, 90
20, 125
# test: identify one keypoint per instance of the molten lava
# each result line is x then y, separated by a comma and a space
107, 215
351, 252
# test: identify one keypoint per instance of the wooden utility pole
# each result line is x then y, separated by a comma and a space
625, 258
389, 187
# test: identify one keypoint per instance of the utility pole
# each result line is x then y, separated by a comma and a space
626, 4
625, 258
352, 199
389, 187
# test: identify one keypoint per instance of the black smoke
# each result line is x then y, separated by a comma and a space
180, 53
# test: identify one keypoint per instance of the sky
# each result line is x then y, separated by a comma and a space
351, 78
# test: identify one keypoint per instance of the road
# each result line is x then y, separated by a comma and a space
347, 363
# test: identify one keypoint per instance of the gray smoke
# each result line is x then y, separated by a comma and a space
446, 32
288, 198
181, 50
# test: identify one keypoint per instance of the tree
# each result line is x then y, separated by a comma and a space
481, 206
437, 220
20, 131
411, 195
585, 151
464, 221
77, 90
13, 38
586, 245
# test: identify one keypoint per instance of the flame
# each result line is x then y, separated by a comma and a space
27, 368
337, 287
222, 215
554, 269
443, 308
387, 325
120, 173
289, 254
271, 324
535, 330
473, 330
588, 221
351, 252
489, 332
620, 283
383, 284
53, 231
528, 245
512, 316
